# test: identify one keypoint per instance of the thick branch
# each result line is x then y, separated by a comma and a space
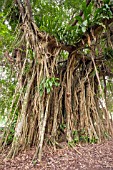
21, 8
29, 10
96, 30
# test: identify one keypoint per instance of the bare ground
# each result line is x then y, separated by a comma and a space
82, 157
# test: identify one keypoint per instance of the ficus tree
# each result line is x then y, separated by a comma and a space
60, 57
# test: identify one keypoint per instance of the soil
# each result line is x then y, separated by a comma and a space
81, 157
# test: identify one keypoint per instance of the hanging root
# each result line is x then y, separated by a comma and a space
58, 101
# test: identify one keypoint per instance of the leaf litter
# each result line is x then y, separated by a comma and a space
83, 157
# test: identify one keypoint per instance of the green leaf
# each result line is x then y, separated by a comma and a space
83, 29
89, 8
79, 18
48, 90
50, 83
84, 6
106, 1
85, 23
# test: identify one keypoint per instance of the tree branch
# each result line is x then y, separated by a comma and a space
96, 29
29, 10
81, 13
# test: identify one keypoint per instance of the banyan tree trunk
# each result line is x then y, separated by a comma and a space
54, 99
